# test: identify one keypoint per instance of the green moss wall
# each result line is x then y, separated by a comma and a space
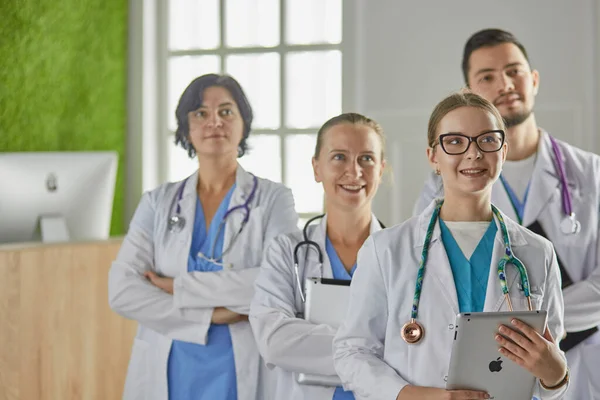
62, 79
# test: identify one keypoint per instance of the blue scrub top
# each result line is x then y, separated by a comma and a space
204, 372
470, 276
339, 272
518, 205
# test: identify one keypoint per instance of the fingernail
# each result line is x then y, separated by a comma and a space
514, 322
503, 329
498, 338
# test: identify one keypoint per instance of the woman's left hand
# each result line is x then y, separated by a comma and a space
160, 282
538, 354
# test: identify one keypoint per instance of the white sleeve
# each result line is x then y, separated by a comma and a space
432, 189
553, 303
582, 300
359, 343
284, 340
234, 289
132, 296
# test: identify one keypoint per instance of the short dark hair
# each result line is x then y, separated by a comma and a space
192, 98
487, 38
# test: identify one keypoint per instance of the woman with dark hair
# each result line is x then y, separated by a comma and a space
187, 266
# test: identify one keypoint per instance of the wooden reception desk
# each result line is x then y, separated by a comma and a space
59, 340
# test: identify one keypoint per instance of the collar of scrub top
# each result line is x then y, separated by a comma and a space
311, 240
413, 331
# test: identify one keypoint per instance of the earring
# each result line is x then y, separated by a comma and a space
437, 171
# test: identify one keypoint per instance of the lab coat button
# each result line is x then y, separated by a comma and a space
451, 326
446, 378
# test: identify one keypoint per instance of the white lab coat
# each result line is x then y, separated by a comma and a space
288, 344
369, 353
580, 253
187, 314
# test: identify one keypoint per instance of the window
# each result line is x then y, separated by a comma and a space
287, 56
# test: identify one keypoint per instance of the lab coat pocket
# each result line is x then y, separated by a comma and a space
535, 295
137, 373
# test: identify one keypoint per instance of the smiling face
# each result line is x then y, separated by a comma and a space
474, 171
502, 75
216, 128
349, 165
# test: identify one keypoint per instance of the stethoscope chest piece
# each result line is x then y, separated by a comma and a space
412, 332
176, 223
570, 224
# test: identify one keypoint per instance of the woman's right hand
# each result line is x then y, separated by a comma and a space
427, 393
223, 316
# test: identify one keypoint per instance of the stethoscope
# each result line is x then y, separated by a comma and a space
176, 221
310, 243
413, 331
569, 224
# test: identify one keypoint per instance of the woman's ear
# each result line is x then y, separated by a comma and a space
315, 165
432, 158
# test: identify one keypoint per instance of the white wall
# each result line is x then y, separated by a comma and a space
401, 58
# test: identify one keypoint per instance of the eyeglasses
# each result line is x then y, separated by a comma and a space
456, 143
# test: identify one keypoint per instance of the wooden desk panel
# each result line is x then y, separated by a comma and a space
59, 340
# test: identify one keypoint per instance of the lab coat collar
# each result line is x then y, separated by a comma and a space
375, 226
544, 180
244, 183
438, 264
243, 179
318, 234
513, 229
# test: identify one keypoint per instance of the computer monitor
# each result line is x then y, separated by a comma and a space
56, 196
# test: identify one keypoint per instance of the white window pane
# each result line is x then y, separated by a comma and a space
181, 72
194, 24
259, 76
263, 158
180, 165
313, 21
299, 175
252, 23
314, 88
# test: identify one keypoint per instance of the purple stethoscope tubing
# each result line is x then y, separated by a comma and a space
178, 221
567, 205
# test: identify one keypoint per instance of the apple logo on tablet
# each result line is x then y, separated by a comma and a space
496, 365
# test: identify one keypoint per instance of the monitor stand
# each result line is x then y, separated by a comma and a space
53, 229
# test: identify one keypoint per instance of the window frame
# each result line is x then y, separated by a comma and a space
164, 54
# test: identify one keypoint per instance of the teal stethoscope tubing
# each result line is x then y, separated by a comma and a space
413, 331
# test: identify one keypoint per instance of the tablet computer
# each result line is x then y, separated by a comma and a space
477, 364
326, 303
